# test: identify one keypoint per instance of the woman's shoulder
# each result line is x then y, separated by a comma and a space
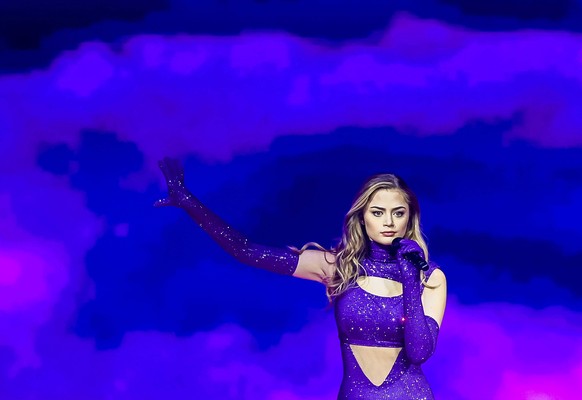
435, 271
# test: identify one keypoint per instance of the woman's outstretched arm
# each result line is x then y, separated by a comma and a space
311, 264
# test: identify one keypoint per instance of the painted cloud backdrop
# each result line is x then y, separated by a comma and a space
279, 120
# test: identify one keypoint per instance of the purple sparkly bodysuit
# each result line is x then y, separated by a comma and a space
362, 318
370, 320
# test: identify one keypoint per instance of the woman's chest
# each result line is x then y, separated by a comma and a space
366, 317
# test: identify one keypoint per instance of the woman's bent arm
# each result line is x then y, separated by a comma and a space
315, 265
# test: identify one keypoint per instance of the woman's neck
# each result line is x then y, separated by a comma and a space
381, 252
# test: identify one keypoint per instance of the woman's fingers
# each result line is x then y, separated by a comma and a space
164, 168
171, 168
174, 174
177, 169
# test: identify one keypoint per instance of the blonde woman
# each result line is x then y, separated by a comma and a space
388, 310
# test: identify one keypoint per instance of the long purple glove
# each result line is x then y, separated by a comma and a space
279, 260
420, 331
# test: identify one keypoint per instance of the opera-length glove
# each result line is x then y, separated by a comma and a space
279, 260
420, 330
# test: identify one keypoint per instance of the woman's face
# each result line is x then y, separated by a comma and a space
386, 216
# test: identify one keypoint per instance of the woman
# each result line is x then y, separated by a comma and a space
388, 312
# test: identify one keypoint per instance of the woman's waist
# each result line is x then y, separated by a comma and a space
370, 341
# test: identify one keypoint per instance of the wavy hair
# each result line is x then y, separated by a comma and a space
354, 242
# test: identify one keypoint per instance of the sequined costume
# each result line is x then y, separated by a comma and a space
366, 319
362, 318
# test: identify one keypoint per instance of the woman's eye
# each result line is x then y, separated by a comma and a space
377, 213
399, 214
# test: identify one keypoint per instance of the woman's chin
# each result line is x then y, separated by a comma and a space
384, 241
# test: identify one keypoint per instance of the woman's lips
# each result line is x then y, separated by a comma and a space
388, 233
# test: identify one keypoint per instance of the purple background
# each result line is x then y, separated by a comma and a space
280, 110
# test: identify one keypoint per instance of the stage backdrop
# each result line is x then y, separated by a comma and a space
280, 110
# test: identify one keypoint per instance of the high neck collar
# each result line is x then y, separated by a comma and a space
380, 252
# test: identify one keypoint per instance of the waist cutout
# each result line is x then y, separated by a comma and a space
374, 343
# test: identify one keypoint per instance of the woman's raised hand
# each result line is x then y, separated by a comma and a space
283, 261
407, 246
174, 173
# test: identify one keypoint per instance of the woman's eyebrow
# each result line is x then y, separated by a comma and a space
383, 209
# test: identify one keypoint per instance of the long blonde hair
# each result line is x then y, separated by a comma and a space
354, 242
